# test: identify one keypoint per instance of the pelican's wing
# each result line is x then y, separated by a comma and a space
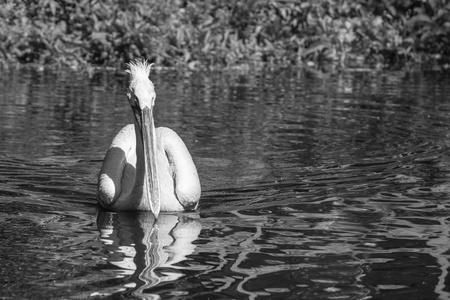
113, 174
184, 172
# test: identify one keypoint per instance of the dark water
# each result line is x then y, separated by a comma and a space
314, 187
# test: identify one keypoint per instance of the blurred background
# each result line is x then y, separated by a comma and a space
216, 34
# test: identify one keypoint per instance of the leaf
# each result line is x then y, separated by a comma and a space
417, 20
53, 6
316, 48
100, 36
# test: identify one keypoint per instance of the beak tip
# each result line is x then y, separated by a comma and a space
155, 208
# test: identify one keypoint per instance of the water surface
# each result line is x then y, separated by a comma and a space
315, 186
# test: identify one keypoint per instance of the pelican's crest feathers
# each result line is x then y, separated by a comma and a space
139, 70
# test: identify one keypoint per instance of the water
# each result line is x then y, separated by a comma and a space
315, 186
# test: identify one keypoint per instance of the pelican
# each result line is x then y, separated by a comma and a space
147, 168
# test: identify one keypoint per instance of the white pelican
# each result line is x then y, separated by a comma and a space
147, 168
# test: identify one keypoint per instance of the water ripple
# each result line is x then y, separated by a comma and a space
316, 187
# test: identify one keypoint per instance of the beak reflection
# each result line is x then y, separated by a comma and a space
138, 244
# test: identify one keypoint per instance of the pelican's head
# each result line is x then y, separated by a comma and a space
141, 92
141, 96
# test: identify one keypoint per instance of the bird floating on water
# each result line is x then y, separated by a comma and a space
147, 168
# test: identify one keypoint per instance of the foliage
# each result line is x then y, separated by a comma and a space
218, 33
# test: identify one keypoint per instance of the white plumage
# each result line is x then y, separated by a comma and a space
147, 168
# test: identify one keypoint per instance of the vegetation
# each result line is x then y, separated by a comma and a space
217, 34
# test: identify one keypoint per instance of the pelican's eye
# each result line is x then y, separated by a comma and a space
133, 100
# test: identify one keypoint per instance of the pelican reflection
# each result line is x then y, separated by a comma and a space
145, 250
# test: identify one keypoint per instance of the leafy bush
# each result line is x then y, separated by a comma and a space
217, 33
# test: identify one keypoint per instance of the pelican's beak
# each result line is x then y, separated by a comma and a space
149, 142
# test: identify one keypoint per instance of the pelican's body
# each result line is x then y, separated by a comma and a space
147, 168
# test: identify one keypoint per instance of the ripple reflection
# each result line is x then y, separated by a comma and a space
149, 253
